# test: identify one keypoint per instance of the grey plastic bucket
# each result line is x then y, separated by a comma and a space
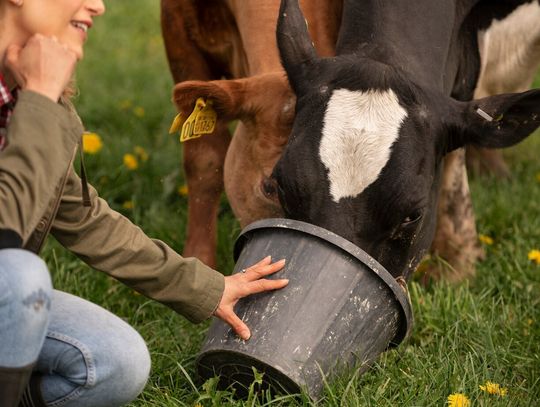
341, 308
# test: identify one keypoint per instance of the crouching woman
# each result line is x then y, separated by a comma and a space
56, 348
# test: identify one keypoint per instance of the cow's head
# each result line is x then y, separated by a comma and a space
366, 148
265, 106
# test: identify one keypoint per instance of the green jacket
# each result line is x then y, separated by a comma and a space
41, 193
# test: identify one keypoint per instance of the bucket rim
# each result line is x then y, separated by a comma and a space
345, 245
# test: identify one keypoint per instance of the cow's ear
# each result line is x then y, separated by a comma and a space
295, 45
227, 96
497, 121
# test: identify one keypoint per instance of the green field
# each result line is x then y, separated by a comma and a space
487, 329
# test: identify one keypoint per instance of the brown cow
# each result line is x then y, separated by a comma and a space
210, 40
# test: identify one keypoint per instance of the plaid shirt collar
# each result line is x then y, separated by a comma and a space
7, 102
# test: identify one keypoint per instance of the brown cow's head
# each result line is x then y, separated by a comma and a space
365, 153
264, 104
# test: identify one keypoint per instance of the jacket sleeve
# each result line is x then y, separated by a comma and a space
42, 138
109, 242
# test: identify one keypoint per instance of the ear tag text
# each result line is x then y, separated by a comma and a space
201, 121
205, 123
189, 125
176, 124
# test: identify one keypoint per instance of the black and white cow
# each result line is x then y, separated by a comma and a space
374, 123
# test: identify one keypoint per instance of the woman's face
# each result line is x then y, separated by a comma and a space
67, 20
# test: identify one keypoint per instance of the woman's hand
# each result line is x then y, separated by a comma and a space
246, 283
42, 65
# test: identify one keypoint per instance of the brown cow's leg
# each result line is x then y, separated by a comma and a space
203, 165
203, 157
456, 239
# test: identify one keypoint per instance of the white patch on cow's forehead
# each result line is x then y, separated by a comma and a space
358, 133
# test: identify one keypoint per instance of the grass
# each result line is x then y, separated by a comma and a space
484, 329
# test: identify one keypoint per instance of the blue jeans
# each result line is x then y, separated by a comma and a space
87, 356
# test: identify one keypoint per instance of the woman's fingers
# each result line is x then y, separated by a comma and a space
267, 260
243, 284
42, 65
263, 269
259, 286
236, 323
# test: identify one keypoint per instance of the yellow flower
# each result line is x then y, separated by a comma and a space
131, 162
127, 205
141, 153
458, 400
91, 143
125, 104
138, 111
485, 239
183, 190
534, 255
494, 388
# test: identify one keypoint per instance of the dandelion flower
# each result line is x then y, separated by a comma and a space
138, 111
534, 255
458, 400
494, 388
125, 104
183, 190
485, 239
92, 143
131, 162
127, 205
141, 153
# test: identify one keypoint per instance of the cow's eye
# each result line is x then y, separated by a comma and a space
412, 218
269, 188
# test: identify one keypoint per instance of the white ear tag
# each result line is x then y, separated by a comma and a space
484, 115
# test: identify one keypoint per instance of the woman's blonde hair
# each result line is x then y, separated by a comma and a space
71, 90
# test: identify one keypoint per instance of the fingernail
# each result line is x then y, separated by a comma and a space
282, 261
245, 335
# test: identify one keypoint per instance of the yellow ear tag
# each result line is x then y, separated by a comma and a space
205, 122
176, 124
189, 124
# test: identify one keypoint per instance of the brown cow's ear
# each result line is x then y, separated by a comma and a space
227, 96
497, 121
295, 45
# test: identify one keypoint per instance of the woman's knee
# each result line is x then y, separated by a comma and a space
26, 286
25, 303
27, 277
